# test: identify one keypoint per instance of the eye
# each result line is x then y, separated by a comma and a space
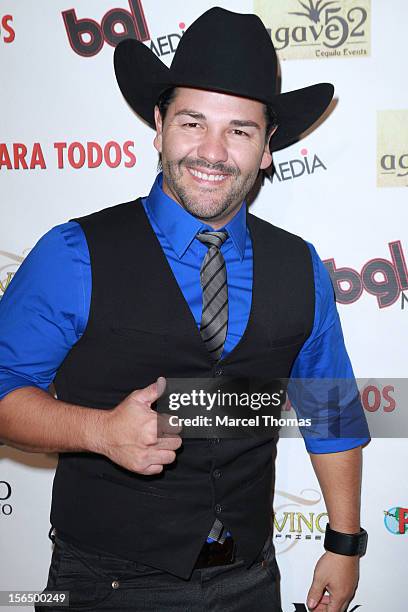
191, 124
240, 132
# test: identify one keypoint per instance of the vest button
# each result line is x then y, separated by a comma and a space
218, 508
216, 473
115, 584
219, 372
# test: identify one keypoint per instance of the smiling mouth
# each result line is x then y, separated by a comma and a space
210, 178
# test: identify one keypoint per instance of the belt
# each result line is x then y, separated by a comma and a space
214, 553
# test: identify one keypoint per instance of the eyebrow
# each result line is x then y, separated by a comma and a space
245, 123
233, 122
191, 113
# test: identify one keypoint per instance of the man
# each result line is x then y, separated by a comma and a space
202, 290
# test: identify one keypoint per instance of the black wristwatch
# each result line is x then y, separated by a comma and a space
346, 543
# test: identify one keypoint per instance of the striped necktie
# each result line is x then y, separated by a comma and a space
214, 317
213, 278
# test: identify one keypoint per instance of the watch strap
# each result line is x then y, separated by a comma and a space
350, 544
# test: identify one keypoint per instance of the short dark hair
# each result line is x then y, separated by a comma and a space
165, 99
271, 119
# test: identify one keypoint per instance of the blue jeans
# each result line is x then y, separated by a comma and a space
106, 582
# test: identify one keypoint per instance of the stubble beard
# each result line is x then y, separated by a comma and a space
215, 204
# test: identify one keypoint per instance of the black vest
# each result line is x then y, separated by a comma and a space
141, 327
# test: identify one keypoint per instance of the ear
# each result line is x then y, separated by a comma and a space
157, 142
267, 155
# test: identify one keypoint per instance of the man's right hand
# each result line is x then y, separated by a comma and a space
130, 433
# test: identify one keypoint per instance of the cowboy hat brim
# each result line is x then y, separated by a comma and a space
142, 77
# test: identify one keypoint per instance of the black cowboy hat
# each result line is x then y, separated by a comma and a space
226, 52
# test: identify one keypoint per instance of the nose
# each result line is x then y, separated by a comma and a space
212, 148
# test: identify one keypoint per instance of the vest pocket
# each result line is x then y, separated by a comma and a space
134, 332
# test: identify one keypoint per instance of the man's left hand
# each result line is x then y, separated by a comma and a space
337, 574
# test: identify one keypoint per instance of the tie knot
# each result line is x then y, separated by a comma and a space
213, 238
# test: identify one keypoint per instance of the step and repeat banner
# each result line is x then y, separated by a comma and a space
70, 145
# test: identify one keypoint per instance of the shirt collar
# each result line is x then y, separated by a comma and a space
180, 227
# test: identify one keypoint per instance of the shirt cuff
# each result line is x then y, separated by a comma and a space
322, 445
14, 381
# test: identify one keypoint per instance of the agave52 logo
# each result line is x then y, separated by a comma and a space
392, 148
309, 29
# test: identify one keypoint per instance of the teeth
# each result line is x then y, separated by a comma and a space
207, 177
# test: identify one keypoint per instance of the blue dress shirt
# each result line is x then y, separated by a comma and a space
45, 309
